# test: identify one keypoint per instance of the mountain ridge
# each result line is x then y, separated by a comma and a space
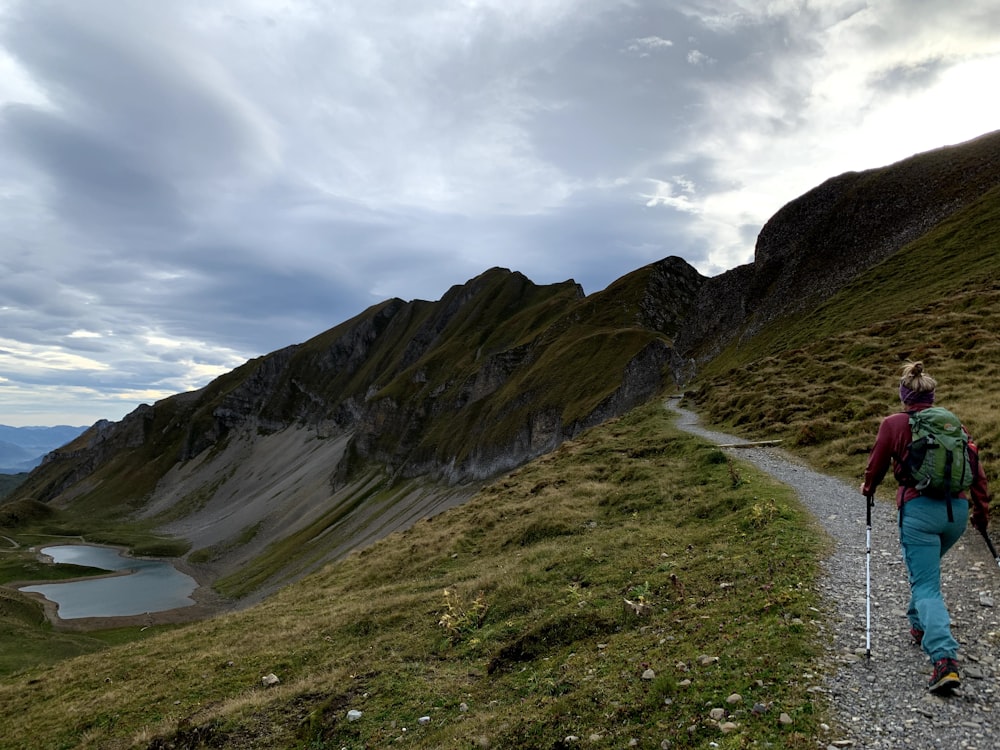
820, 241
409, 407
422, 400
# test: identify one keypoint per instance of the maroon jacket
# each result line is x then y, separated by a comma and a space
890, 445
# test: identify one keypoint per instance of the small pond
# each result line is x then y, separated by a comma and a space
149, 585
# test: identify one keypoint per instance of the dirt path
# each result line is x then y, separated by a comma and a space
884, 703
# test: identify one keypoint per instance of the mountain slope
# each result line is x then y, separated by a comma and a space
14, 458
300, 455
22, 448
824, 239
503, 620
823, 381
401, 410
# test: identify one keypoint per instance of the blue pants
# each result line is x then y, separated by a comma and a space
925, 535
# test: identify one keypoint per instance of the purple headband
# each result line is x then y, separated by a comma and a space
908, 396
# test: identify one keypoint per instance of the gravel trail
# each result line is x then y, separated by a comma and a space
884, 703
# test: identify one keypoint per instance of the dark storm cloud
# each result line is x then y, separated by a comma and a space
910, 77
185, 185
98, 185
118, 69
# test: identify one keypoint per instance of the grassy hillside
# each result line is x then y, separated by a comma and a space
10, 482
573, 597
503, 621
823, 381
496, 372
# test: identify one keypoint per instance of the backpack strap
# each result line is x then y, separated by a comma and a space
947, 485
902, 461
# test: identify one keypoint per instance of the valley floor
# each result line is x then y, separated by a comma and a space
884, 703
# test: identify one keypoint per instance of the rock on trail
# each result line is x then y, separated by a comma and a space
884, 703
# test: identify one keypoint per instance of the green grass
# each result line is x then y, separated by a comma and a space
822, 382
10, 482
30, 642
503, 620
27, 567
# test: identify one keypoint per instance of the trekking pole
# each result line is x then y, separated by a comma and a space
869, 502
993, 550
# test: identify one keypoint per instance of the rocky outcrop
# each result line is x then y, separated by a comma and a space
456, 390
824, 239
672, 288
714, 318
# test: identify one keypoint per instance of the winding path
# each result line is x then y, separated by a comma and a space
884, 703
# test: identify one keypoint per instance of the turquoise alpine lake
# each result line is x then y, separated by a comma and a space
148, 586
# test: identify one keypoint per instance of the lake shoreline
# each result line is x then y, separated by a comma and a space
207, 602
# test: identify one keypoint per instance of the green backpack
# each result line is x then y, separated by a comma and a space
937, 459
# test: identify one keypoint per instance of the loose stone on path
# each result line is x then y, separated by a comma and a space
884, 704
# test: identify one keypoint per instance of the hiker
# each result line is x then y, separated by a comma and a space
928, 525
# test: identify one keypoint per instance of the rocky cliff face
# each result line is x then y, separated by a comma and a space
504, 390
456, 390
821, 241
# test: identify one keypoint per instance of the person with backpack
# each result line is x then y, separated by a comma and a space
937, 467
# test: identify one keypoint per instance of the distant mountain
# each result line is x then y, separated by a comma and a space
23, 448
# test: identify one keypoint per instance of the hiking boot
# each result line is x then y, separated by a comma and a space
945, 678
917, 636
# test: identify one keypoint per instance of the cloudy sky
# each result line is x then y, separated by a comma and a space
185, 185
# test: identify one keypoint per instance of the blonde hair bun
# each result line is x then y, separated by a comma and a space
915, 379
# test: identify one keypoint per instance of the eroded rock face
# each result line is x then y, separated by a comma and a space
714, 318
457, 390
821, 241
672, 288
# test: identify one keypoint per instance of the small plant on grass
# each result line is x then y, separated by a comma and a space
640, 593
762, 513
734, 476
461, 619
638, 601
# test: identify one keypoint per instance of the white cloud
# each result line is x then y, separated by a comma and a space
676, 193
861, 87
698, 58
647, 45
34, 359
16, 84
